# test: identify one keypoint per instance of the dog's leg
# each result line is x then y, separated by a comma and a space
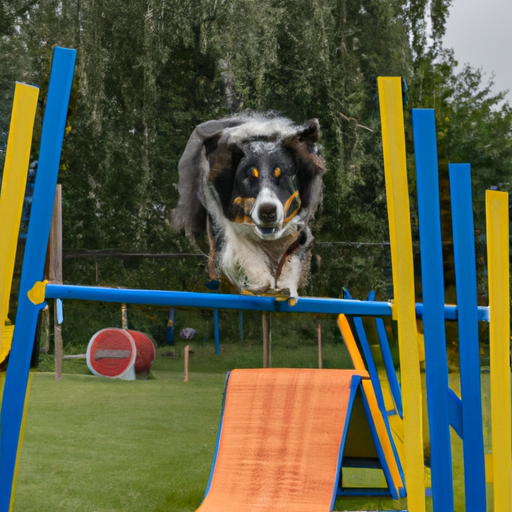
212, 256
294, 265
290, 277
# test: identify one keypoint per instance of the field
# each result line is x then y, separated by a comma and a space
101, 445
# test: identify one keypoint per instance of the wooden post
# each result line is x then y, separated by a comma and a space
124, 317
319, 333
55, 274
186, 351
45, 325
267, 340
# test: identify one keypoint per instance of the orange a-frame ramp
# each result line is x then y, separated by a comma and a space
281, 440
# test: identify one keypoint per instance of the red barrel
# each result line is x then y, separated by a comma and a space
120, 353
146, 352
111, 353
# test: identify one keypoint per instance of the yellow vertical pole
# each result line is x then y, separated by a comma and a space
13, 191
497, 222
404, 311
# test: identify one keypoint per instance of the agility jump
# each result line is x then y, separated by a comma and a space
446, 409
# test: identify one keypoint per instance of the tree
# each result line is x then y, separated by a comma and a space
14, 67
473, 125
321, 59
148, 72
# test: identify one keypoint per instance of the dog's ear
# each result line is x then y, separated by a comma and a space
310, 165
211, 144
224, 160
310, 132
190, 212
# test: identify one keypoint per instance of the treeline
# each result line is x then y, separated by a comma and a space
149, 71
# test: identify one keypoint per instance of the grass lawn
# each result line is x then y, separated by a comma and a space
102, 445
108, 445
99, 445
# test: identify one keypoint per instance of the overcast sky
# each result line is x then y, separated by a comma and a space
480, 33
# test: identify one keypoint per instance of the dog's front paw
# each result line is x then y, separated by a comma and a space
292, 301
279, 294
293, 296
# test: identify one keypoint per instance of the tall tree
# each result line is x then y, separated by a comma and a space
15, 65
321, 59
148, 72
146, 78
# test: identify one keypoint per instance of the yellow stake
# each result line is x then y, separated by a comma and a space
13, 191
395, 169
496, 208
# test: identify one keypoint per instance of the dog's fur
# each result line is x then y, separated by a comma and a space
253, 182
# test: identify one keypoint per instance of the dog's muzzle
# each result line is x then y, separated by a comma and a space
267, 214
271, 216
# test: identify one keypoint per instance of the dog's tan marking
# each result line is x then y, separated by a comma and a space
277, 172
255, 173
243, 219
247, 203
287, 205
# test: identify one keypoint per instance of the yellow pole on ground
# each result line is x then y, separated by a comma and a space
404, 311
14, 182
497, 222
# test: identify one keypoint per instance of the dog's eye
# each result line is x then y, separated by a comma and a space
253, 172
277, 172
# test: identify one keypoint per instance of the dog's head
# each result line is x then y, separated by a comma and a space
266, 174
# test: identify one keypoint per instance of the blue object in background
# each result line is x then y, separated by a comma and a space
169, 337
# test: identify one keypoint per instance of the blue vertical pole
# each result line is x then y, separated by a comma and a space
387, 358
52, 136
436, 371
216, 327
169, 338
469, 349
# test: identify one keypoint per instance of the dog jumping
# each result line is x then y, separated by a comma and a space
252, 183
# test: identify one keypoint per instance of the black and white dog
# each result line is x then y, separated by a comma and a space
252, 182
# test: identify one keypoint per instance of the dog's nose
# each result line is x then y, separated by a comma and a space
268, 212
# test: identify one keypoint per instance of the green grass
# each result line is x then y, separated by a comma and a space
103, 445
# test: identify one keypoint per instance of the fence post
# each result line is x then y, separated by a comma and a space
55, 275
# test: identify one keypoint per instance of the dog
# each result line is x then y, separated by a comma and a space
252, 182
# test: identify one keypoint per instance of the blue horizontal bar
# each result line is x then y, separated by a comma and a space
239, 302
364, 492
217, 300
450, 312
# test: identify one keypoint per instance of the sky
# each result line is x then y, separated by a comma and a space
480, 33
